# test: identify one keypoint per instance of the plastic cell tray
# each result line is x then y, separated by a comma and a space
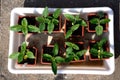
105, 67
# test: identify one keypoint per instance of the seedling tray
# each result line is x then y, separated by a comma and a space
104, 67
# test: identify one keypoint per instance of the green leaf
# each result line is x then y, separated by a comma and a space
47, 57
45, 12
24, 22
56, 13
75, 27
55, 49
106, 54
100, 14
99, 30
68, 34
40, 19
95, 46
59, 59
69, 54
77, 17
47, 20
16, 28
50, 28
32, 28
76, 57
14, 55
69, 50
42, 27
81, 53
102, 42
94, 21
54, 67
68, 44
74, 46
25, 30
20, 57
68, 59
55, 21
49, 17
83, 23
23, 47
69, 17
94, 51
30, 54
104, 21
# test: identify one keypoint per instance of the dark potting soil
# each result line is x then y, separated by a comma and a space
92, 26
29, 61
31, 20
47, 50
78, 31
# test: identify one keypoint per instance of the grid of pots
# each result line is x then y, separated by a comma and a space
74, 48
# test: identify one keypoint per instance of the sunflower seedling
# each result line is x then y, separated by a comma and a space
23, 54
98, 50
54, 58
99, 21
24, 27
49, 21
76, 22
73, 53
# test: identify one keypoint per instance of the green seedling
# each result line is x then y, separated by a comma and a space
76, 23
98, 50
54, 58
24, 27
73, 52
48, 20
23, 54
99, 22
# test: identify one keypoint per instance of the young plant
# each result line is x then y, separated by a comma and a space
54, 58
76, 23
73, 52
98, 50
99, 22
24, 27
23, 54
47, 20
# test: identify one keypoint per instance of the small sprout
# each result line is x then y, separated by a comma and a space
98, 22
24, 27
47, 20
98, 51
76, 23
73, 52
23, 54
54, 58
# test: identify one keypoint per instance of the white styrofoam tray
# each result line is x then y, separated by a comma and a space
16, 40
